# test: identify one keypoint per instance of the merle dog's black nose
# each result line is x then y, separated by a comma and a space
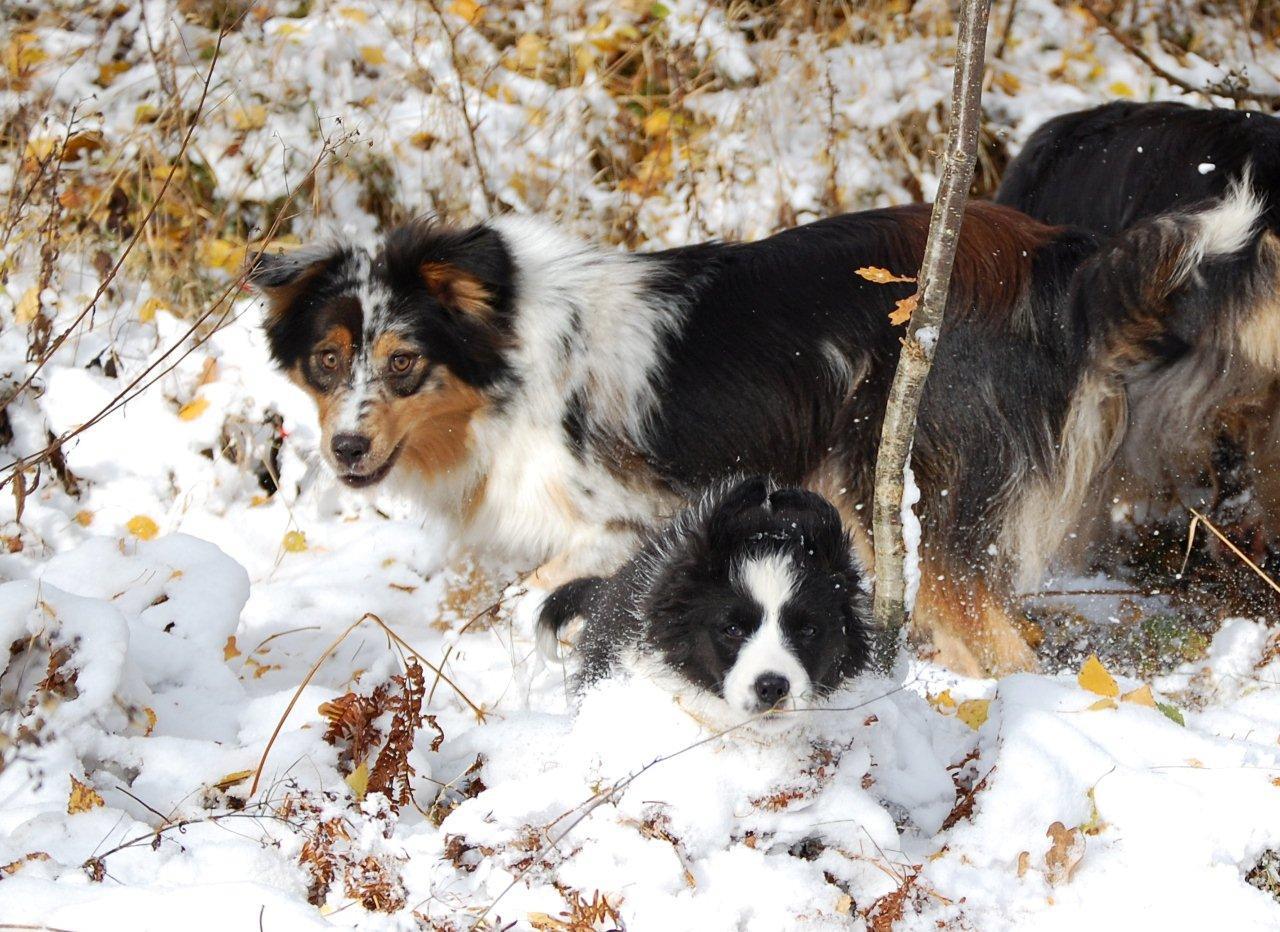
771, 688
348, 448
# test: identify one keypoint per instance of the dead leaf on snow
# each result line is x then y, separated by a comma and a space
1064, 854
83, 798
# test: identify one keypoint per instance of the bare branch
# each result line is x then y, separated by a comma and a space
916, 358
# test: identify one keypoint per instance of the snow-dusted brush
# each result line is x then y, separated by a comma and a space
558, 399
748, 604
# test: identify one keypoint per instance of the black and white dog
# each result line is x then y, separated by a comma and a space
558, 399
750, 599
1204, 428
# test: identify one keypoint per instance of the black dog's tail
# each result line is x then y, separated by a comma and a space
1140, 278
565, 603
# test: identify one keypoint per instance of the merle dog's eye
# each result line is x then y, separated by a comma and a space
327, 360
402, 362
734, 631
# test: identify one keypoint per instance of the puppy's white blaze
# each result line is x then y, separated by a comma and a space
770, 582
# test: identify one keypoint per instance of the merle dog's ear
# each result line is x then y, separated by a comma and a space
282, 277
290, 282
467, 271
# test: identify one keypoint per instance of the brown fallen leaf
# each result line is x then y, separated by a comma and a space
903, 309
873, 273
1064, 854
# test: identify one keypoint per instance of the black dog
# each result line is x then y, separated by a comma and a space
751, 597
1203, 426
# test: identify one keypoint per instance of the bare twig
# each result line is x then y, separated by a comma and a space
917, 355
1220, 89
471, 123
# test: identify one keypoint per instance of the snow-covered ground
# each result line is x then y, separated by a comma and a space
167, 615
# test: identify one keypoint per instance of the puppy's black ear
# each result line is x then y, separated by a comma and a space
291, 282
469, 272
819, 525
734, 505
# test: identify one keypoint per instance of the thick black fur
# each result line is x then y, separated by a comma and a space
676, 599
1117, 165
1106, 168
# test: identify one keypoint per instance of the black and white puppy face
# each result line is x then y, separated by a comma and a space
758, 602
398, 349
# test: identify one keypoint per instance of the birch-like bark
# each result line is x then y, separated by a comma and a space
916, 357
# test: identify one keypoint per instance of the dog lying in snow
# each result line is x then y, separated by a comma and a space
557, 399
751, 599
1205, 408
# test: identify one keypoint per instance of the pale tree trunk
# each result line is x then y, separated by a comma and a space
917, 349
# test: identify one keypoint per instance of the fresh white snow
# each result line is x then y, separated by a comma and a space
162, 621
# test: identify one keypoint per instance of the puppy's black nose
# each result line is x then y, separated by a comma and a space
348, 448
771, 688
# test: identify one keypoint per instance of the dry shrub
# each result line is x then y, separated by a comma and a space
353, 727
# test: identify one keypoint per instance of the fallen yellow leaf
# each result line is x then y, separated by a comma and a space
150, 713
657, 123
373, 55
358, 780
1120, 89
1140, 696
28, 305
973, 712
295, 542
355, 14
468, 10
110, 71
223, 254
1103, 704
1095, 678
942, 701
143, 527
229, 650
193, 409
1009, 83
231, 779
84, 518
529, 49
147, 313
253, 116
83, 798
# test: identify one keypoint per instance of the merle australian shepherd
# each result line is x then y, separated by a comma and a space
750, 600
1203, 425
558, 398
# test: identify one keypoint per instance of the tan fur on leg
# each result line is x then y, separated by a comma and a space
972, 632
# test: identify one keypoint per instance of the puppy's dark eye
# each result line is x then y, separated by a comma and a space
328, 360
401, 363
806, 632
734, 632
